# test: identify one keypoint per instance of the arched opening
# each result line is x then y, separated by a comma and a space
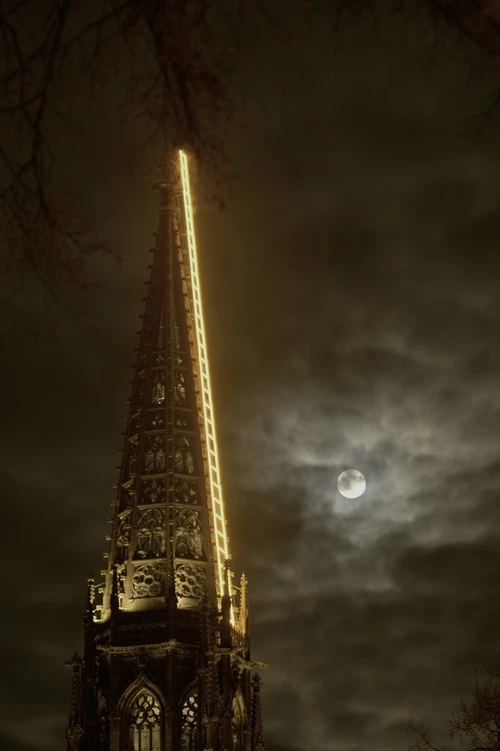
151, 533
184, 462
238, 723
189, 722
145, 723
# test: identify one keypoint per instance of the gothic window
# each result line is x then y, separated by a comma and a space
238, 724
186, 491
151, 535
188, 534
190, 580
154, 457
180, 389
145, 723
153, 491
149, 580
184, 462
158, 395
189, 719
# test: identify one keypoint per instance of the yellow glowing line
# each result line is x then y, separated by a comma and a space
221, 542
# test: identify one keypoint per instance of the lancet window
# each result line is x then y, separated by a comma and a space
238, 724
145, 723
180, 389
154, 458
188, 533
184, 461
189, 719
151, 534
158, 395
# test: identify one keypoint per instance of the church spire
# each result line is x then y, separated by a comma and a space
169, 525
165, 666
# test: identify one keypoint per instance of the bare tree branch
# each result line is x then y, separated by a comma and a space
476, 723
173, 60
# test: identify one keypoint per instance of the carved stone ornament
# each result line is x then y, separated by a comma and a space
148, 580
190, 580
156, 420
182, 420
186, 491
153, 491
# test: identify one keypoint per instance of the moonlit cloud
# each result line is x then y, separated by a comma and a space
352, 291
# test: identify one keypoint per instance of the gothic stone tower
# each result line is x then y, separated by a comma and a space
166, 664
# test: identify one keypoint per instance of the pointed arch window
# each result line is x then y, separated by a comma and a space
238, 723
145, 723
184, 461
151, 534
189, 719
180, 388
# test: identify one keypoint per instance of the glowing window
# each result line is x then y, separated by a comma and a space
189, 715
145, 723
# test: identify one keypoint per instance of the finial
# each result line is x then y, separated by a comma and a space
115, 601
90, 593
243, 614
76, 663
227, 576
226, 608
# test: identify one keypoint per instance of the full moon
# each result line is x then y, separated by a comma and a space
351, 483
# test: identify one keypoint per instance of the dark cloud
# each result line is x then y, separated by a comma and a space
352, 291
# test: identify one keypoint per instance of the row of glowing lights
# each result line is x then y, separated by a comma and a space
221, 542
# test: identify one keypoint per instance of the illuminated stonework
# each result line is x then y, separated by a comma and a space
190, 581
165, 657
149, 580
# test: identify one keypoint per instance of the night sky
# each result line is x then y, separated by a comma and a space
351, 290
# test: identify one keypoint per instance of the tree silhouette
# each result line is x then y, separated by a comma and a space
172, 59
476, 724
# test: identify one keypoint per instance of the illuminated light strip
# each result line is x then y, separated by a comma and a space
221, 542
